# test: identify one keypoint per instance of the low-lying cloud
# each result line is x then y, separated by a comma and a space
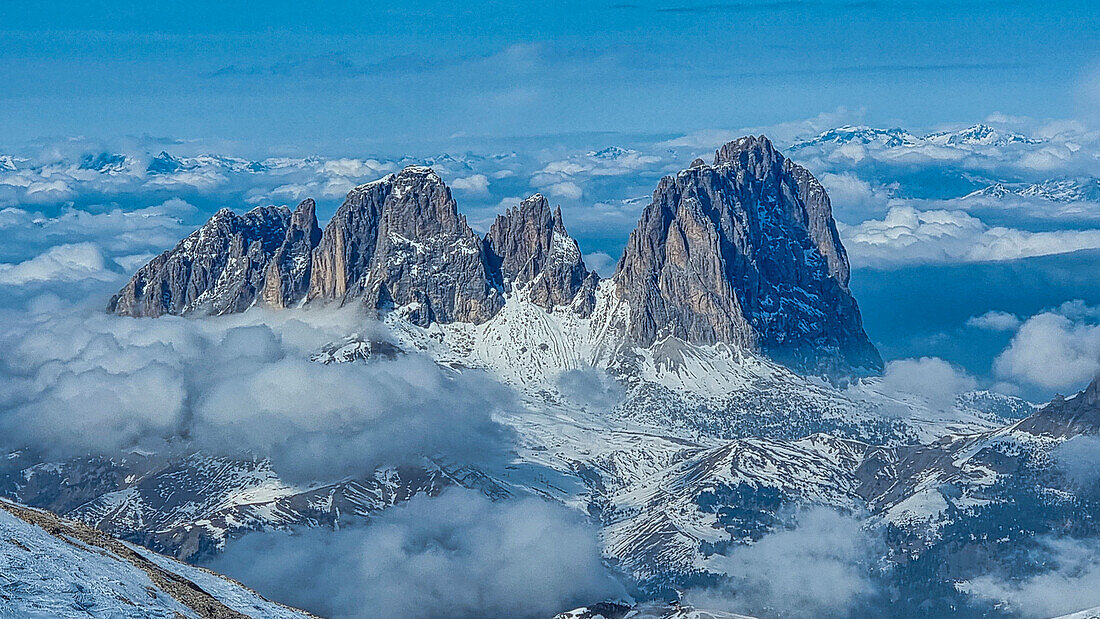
821, 567
75, 383
1068, 582
1055, 349
907, 236
455, 555
1079, 459
994, 320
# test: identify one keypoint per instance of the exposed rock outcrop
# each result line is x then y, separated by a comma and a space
529, 246
218, 269
743, 252
746, 252
399, 243
1067, 417
286, 281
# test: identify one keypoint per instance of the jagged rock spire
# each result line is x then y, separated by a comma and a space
288, 274
217, 269
745, 252
529, 246
399, 243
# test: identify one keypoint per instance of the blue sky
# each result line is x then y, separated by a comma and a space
348, 76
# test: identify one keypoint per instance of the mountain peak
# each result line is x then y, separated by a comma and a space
1092, 392
528, 246
400, 243
747, 253
217, 269
747, 149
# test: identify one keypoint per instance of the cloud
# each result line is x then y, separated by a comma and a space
590, 387
477, 184
455, 555
931, 378
994, 320
1056, 349
601, 262
566, 189
821, 567
1069, 581
907, 236
70, 262
852, 196
1079, 458
74, 384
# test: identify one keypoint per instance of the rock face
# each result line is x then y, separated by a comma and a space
1067, 417
743, 252
399, 243
746, 252
218, 269
288, 274
528, 246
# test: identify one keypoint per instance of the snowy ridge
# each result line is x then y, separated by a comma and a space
50, 567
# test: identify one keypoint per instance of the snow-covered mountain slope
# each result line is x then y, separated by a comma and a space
687, 390
1090, 613
1052, 190
52, 567
644, 611
975, 136
660, 438
188, 508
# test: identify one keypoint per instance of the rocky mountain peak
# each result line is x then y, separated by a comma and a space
528, 246
288, 273
1092, 393
755, 153
217, 269
1067, 417
399, 243
746, 252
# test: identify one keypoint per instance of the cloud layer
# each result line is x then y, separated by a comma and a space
907, 236
1055, 349
74, 384
455, 555
821, 567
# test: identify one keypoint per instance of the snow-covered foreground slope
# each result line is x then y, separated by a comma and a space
51, 567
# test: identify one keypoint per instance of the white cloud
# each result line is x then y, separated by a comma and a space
601, 262
566, 189
71, 262
357, 168
1057, 349
74, 383
933, 381
994, 320
1070, 582
853, 196
476, 184
456, 555
821, 567
1079, 458
907, 236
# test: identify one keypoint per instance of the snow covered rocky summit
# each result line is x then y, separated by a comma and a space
743, 252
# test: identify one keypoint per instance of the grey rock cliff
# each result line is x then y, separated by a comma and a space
529, 246
400, 243
288, 274
217, 269
746, 252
